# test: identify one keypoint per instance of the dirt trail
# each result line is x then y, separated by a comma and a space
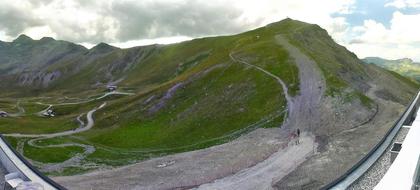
283, 85
73, 161
76, 159
304, 109
302, 113
259, 157
262, 175
64, 133
88, 100
278, 79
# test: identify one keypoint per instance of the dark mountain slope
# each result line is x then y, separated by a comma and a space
27, 62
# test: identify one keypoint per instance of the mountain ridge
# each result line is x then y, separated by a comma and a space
192, 95
405, 66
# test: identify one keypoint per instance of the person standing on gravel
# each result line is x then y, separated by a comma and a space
297, 135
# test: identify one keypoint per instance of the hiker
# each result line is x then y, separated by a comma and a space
298, 136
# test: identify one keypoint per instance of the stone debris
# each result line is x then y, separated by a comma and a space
166, 164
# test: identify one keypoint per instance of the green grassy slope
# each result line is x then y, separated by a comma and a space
187, 96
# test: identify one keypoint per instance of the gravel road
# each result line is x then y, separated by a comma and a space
87, 100
89, 125
262, 175
73, 161
259, 153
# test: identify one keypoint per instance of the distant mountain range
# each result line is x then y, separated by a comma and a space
405, 67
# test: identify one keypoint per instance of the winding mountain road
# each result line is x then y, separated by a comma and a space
88, 126
74, 160
88, 100
278, 79
283, 85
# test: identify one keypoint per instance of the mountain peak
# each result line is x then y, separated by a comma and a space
102, 48
103, 45
47, 39
22, 39
291, 25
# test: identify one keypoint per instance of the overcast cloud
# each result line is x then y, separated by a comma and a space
121, 21
391, 28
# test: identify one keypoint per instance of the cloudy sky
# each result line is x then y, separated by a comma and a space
385, 28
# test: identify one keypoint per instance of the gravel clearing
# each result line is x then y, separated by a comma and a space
188, 170
378, 170
262, 175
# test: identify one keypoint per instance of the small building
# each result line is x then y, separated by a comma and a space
111, 88
49, 113
3, 114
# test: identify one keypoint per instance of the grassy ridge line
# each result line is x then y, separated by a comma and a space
220, 103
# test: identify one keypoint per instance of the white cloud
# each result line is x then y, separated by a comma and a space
401, 4
164, 40
38, 32
400, 40
389, 51
130, 21
127, 23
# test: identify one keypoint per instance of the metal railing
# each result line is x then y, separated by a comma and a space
363, 165
416, 178
13, 162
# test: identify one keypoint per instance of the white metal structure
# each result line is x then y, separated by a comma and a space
22, 170
402, 174
354, 173
13, 179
